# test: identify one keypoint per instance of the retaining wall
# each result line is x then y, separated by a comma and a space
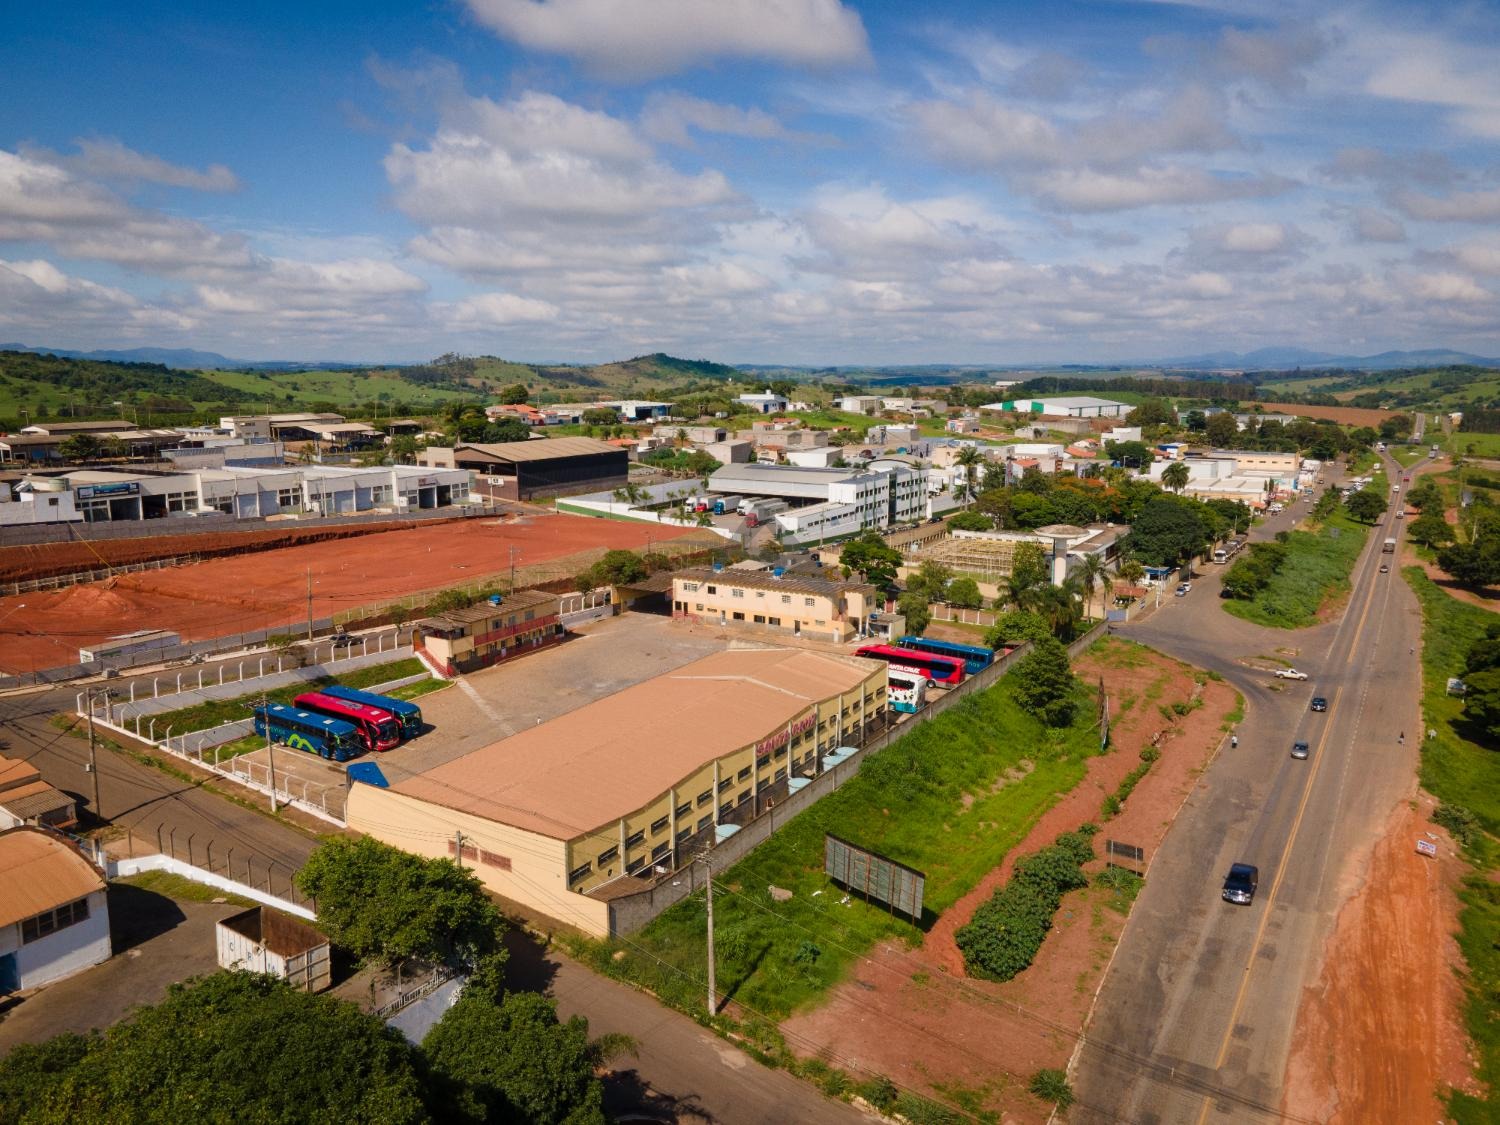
118, 868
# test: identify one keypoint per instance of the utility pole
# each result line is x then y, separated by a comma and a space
93, 759
512, 570
309, 604
713, 992
265, 710
458, 849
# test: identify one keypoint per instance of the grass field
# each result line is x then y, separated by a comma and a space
1316, 569
1473, 445
1459, 772
341, 387
941, 800
202, 716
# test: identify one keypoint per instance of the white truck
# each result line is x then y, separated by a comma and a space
762, 510
1388, 547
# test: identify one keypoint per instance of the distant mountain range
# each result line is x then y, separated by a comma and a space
185, 359
1276, 359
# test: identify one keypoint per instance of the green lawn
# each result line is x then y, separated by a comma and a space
908, 803
1473, 445
202, 716
1462, 773
1317, 568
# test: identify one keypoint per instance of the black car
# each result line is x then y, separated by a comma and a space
343, 640
1299, 750
1240, 884
1319, 703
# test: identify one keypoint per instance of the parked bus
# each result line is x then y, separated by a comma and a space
378, 728
305, 730
976, 659
933, 669
905, 691
408, 714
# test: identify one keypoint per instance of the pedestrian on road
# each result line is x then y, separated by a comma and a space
1401, 739
1234, 741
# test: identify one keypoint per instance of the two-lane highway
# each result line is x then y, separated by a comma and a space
1196, 1018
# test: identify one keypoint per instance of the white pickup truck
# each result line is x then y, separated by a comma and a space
1290, 674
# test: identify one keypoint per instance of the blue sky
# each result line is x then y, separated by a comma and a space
799, 181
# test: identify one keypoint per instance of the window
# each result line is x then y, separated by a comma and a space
660, 850
684, 833
699, 607
690, 587
745, 796
705, 797
713, 589
736, 593
580, 872
659, 825
636, 839
781, 774
739, 617
704, 822
786, 599
725, 784
635, 865
807, 601
68, 914
764, 785
760, 619
726, 808
744, 773
608, 855
685, 808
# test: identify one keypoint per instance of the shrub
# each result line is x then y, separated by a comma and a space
1005, 933
1459, 821
1052, 1086
924, 1111
879, 1091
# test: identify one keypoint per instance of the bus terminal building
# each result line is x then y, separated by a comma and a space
596, 802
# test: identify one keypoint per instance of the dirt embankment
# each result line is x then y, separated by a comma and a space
1343, 415
913, 1015
1381, 1033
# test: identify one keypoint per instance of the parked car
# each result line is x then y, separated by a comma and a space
1319, 703
1183, 588
343, 640
1290, 674
1240, 884
1299, 750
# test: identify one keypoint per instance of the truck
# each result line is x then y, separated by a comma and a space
1227, 551
763, 510
723, 504
1388, 547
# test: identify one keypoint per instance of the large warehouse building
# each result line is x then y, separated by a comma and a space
1065, 406
525, 470
563, 817
839, 501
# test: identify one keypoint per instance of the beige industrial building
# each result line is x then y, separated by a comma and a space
587, 807
826, 608
466, 640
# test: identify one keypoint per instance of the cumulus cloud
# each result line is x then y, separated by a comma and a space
108, 159
669, 115
1433, 69
494, 310
1482, 206
1278, 58
1261, 246
1150, 186
647, 38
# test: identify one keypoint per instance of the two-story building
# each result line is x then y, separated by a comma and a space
466, 640
772, 601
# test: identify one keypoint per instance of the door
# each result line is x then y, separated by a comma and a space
10, 976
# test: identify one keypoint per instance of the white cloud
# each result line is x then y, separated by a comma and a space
1372, 225
1431, 69
106, 158
1444, 287
1459, 207
668, 116
1149, 186
490, 310
645, 38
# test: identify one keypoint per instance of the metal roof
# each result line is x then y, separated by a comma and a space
40, 870
37, 799
767, 580
545, 450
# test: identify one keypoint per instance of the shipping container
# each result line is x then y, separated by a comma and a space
262, 940
128, 644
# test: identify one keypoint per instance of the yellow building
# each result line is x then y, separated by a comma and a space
565, 816
829, 609
465, 640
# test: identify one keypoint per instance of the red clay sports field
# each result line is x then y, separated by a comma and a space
269, 588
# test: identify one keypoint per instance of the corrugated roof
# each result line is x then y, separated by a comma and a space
594, 765
40, 870
540, 450
767, 580
521, 599
35, 799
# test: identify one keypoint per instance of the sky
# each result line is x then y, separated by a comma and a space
751, 181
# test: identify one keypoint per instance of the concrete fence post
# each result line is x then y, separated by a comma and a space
179, 681
152, 730
132, 691
221, 675
200, 678
155, 688
78, 703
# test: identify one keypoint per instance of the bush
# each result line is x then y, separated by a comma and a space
1460, 823
923, 1111
1044, 683
1052, 1086
879, 1091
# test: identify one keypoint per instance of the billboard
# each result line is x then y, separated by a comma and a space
873, 876
115, 488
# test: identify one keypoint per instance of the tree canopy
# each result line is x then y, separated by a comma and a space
871, 556
1044, 682
1168, 530
1366, 505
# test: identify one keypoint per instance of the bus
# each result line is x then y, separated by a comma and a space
304, 730
378, 728
976, 659
408, 714
933, 669
905, 691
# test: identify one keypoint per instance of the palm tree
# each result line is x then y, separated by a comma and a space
1132, 571
969, 459
1060, 606
1092, 573
1175, 476
1022, 592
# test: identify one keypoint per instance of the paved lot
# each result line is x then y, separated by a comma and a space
158, 941
605, 657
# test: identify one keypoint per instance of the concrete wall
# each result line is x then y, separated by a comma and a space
63, 953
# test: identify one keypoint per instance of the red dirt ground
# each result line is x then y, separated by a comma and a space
1343, 415
255, 591
912, 1015
1381, 1030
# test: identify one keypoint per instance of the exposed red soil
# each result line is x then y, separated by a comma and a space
42, 560
1380, 1034
912, 1015
1343, 415
269, 588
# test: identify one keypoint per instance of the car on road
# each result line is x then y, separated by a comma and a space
1406, 479
1385, 568
1240, 884
1183, 588
1319, 703
343, 640
1290, 674
1395, 488
1299, 750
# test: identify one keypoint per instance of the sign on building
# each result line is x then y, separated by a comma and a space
873, 876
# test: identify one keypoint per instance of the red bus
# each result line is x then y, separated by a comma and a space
931, 667
378, 728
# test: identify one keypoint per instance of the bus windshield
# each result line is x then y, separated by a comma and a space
389, 731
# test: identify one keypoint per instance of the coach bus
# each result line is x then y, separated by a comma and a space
905, 691
408, 714
305, 730
975, 658
933, 669
378, 728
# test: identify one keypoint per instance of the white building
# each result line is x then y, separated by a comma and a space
860, 404
767, 402
835, 501
54, 917
1066, 406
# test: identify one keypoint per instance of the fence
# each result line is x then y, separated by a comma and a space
629, 913
58, 581
247, 874
941, 611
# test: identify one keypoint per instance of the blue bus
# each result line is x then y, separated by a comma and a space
309, 731
975, 658
409, 715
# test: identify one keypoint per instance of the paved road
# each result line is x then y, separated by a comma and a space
1196, 1017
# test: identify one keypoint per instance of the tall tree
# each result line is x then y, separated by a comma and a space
1366, 505
1044, 682
970, 460
871, 556
1176, 475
